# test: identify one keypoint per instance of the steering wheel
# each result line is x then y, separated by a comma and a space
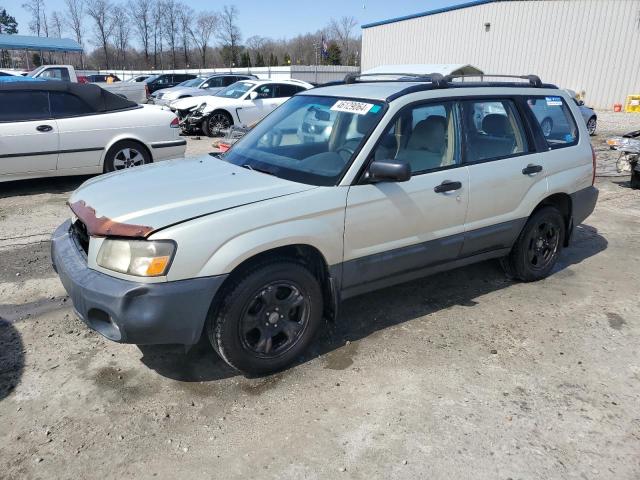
347, 150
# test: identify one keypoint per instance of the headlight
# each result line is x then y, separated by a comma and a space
137, 257
201, 107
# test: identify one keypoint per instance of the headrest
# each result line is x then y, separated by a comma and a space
429, 134
496, 125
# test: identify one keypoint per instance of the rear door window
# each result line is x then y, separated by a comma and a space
555, 119
23, 106
67, 105
285, 90
493, 129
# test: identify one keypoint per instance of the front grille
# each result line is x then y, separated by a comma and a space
80, 235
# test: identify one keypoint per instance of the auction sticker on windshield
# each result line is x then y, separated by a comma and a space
349, 106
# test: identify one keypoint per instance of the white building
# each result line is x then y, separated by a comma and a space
590, 46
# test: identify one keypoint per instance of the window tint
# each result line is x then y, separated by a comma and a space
285, 90
226, 81
555, 119
215, 82
27, 105
265, 91
55, 74
423, 136
493, 129
67, 105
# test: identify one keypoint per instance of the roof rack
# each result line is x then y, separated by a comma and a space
534, 80
435, 78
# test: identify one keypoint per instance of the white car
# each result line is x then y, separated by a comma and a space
243, 103
256, 247
51, 128
197, 87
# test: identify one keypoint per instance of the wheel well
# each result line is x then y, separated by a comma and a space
304, 254
562, 202
133, 140
222, 110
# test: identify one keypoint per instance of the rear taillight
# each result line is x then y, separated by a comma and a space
593, 156
175, 123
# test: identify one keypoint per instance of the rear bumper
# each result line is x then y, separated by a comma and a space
583, 202
132, 312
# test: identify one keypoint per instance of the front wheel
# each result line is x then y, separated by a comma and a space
267, 318
537, 248
215, 123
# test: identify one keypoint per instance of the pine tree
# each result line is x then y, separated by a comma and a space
8, 26
334, 54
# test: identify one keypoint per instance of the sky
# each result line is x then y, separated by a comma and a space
277, 18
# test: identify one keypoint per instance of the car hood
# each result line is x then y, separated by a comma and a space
190, 102
166, 193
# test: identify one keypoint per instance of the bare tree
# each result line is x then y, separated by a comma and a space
141, 18
229, 33
73, 20
122, 34
205, 27
342, 31
101, 12
56, 24
36, 10
171, 25
157, 16
185, 17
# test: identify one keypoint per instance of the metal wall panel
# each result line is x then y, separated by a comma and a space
589, 46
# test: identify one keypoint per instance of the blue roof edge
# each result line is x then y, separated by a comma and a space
429, 12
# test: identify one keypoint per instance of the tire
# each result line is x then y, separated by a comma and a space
538, 246
215, 122
635, 180
267, 317
126, 154
546, 126
592, 125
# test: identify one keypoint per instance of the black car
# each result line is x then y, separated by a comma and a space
166, 80
102, 78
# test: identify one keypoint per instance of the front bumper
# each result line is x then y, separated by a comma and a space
132, 312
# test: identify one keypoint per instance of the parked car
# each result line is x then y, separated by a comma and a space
139, 78
243, 103
6, 73
132, 91
50, 128
165, 80
254, 248
553, 121
197, 87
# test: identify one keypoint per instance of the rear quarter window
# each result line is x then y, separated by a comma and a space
555, 119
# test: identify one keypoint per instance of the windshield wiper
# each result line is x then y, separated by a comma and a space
254, 169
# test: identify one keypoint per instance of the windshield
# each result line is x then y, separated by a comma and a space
235, 90
308, 139
194, 82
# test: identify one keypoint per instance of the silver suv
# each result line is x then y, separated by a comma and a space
253, 248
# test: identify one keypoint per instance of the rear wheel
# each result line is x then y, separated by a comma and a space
592, 125
216, 122
126, 154
537, 249
267, 317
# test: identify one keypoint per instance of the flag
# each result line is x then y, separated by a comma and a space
324, 47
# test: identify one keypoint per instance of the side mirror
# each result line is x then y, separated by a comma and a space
253, 95
389, 171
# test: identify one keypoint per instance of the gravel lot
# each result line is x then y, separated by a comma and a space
465, 374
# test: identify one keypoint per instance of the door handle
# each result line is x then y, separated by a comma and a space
531, 169
447, 186
44, 128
